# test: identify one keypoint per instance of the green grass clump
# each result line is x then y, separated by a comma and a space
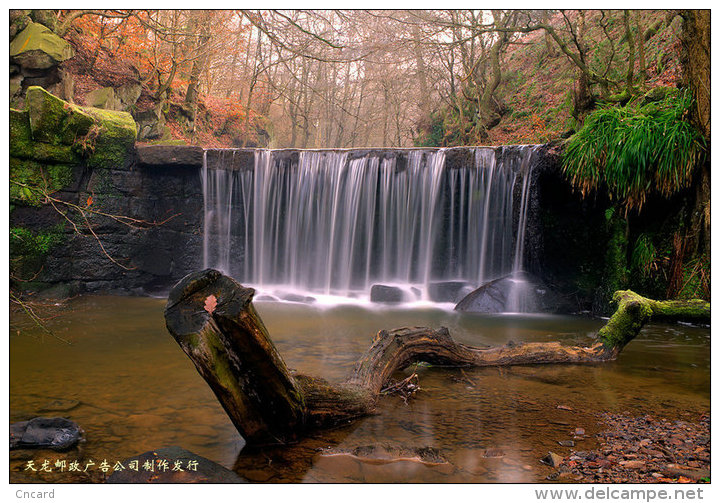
635, 149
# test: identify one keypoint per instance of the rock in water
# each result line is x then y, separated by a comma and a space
552, 459
515, 293
489, 298
387, 294
55, 433
173, 465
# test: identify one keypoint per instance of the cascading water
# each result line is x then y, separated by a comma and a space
521, 296
338, 222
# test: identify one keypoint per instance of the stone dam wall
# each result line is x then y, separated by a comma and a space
163, 183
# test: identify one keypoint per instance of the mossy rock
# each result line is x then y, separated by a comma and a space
37, 47
57, 131
103, 98
29, 248
110, 139
24, 146
658, 94
53, 120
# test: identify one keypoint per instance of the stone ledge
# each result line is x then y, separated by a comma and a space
170, 155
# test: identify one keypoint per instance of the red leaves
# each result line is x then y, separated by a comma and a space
210, 304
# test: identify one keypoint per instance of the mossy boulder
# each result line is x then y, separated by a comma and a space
110, 139
38, 48
151, 124
56, 131
24, 146
658, 94
53, 120
128, 95
103, 98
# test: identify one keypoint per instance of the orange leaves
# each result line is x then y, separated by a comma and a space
227, 107
210, 304
89, 201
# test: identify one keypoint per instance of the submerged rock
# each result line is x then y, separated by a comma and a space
172, 465
380, 464
296, 297
552, 459
55, 433
60, 405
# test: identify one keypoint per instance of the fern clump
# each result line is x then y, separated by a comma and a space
635, 149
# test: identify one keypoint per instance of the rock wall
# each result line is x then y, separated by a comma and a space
146, 259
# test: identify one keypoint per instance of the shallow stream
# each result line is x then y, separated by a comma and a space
136, 390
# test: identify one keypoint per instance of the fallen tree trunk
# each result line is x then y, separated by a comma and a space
212, 317
634, 311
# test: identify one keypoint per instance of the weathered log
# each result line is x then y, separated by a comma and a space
212, 318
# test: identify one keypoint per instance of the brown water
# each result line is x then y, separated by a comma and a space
138, 391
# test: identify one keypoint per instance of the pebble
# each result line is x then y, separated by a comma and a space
626, 453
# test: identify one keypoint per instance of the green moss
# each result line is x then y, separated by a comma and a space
109, 144
632, 313
29, 179
56, 131
634, 310
23, 145
29, 249
53, 120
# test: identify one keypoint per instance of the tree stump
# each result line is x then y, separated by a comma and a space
212, 317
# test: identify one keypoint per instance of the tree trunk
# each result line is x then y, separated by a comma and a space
193, 90
212, 317
695, 59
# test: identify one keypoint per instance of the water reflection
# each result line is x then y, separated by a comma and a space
138, 391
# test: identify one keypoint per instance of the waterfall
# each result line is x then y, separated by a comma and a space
521, 295
336, 223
